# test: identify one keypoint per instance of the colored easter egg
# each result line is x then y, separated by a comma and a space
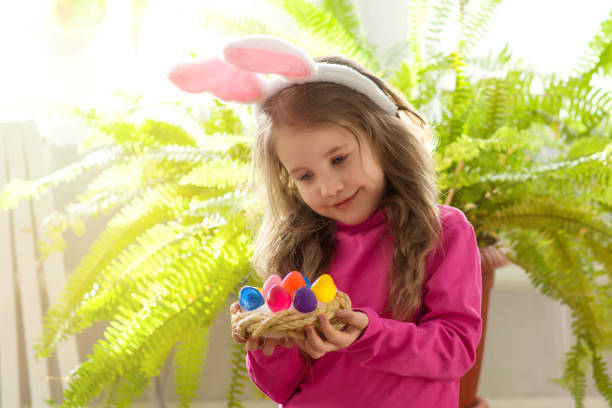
306, 280
304, 300
324, 288
271, 281
278, 299
293, 281
250, 298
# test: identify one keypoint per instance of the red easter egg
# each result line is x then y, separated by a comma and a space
278, 299
293, 281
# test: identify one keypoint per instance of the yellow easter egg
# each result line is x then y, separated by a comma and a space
324, 288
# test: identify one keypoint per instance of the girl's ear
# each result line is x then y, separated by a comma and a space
270, 55
223, 80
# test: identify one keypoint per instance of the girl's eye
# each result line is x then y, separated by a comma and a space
339, 159
306, 177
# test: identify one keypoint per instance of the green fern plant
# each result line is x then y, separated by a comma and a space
176, 244
531, 170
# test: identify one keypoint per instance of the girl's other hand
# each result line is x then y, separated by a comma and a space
235, 308
255, 343
267, 344
335, 339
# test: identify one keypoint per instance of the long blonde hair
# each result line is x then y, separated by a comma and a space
293, 237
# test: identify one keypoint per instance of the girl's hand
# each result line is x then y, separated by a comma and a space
336, 339
268, 344
256, 343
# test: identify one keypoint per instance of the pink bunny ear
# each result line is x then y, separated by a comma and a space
219, 78
269, 55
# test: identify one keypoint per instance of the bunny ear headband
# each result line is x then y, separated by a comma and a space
239, 76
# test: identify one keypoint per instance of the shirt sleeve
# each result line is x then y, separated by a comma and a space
278, 375
441, 344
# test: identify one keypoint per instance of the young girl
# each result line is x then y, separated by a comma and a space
351, 192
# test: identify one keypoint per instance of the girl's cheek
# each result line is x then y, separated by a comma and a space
306, 195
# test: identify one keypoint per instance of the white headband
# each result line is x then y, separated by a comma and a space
239, 77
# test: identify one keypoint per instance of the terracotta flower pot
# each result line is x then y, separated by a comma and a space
491, 259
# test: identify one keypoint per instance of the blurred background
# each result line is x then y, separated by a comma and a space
76, 53
60, 54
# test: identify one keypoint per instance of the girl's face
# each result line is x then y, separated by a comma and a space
336, 176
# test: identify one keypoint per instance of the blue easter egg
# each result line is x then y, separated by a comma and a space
306, 280
250, 298
304, 300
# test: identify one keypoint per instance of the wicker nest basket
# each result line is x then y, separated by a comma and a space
288, 323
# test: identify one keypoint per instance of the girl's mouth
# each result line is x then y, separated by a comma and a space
345, 203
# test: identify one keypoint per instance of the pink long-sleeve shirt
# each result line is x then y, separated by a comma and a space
393, 363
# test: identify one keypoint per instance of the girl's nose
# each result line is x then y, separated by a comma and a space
331, 187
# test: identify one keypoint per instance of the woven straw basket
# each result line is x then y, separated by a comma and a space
288, 323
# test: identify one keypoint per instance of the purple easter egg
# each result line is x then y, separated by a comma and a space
304, 300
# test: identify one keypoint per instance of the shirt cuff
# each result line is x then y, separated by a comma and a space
369, 334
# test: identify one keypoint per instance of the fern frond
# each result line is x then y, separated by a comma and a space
238, 376
558, 265
584, 169
477, 24
322, 25
492, 107
598, 57
406, 79
125, 389
151, 132
155, 206
495, 62
110, 190
440, 13
426, 97
533, 247
577, 276
164, 317
231, 24
345, 14
74, 216
548, 215
146, 133
17, 190
120, 183
582, 106
417, 18
218, 174
602, 252
588, 105
574, 376
601, 376
139, 265
189, 358
586, 146
460, 101
466, 148
222, 119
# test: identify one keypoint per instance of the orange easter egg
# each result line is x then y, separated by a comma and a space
293, 281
